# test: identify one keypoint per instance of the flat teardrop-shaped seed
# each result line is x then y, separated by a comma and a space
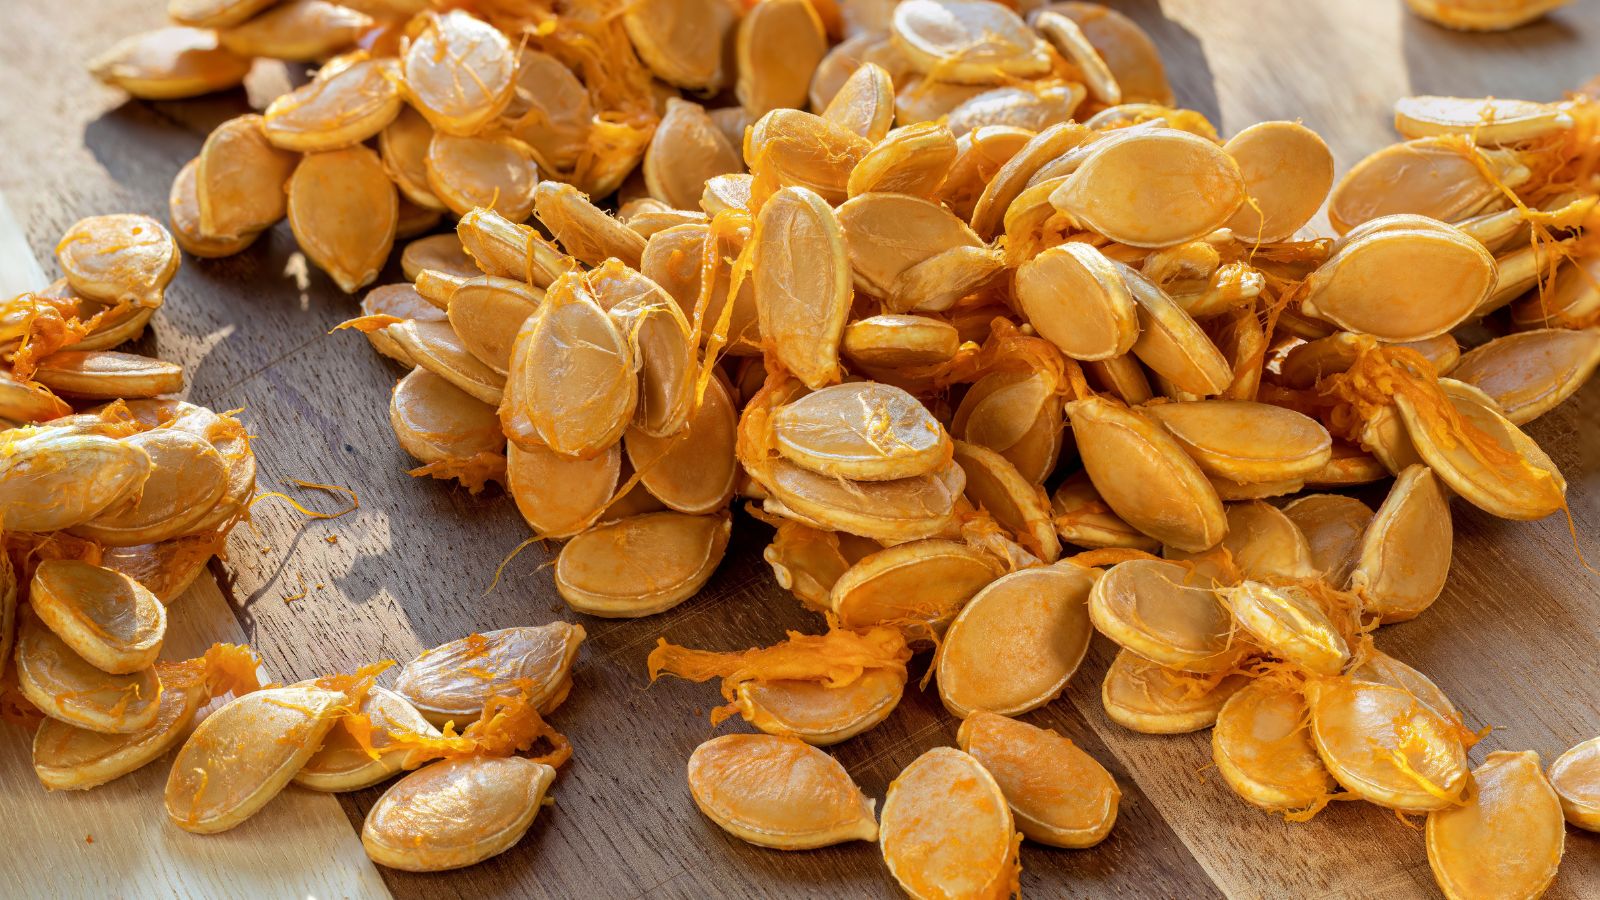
557, 495
994, 484
778, 792
1405, 553
1333, 525
1244, 441
341, 110
107, 375
802, 283
454, 680
1531, 372
297, 31
1058, 794
821, 715
53, 478
1435, 177
1287, 171
106, 617
170, 64
436, 421
1262, 748
682, 41
1530, 488
895, 340
1306, 364
69, 758
455, 813
343, 763
1128, 52
641, 565
979, 156
1151, 699
1263, 544
121, 258
941, 280
1084, 520
239, 180
912, 160
946, 828
458, 71
468, 173
1078, 301
1145, 476
1148, 607
804, 150
864, 431
1171, 343
863, 103
1014, 645
725, 192
672, 259
921, 583
1288, 623
906, 509
1575, 776
1571, 298
437, 253
1068, 38
686, 151
187, 478
692, 471
344, 210
661, 342
1507, 836
487, 313
403, 144
1101, 195
65, 686
1450, 275
577, 373
777, 47
584, 230
967, 41
1489, 121
1383, 744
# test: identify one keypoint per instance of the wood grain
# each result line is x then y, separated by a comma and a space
1513, 640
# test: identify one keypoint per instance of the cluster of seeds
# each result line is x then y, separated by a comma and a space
991, 249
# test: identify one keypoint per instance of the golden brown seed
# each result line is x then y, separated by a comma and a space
1333, 526
1405, 553
1575, 775
1244, 441
1099, 194
584, 230
170, 64
685, 152
459, 72
337, 111
297, 31
922, 582
344, 210
1144, 697
104, 616
434, 345
778, 792
968, 41
65, 686
1058, 794
1384, 745
454, 680
1505, 839
1529, 373
468, 173
946, 829
802, 283
188, 477
55, 478
576, 373
863, 430
121, 258
1262, 748
682, 41
404, 145
778, 46
642, 565
1287, 171
1158, 610
692, 470
239, 180
107, 374
1014, 646
183, 212
455, 813
863, 103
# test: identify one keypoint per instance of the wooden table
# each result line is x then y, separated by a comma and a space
1514, 639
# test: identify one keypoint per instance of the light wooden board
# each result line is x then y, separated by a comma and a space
1514, 639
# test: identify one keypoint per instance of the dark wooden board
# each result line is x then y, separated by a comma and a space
1514, 640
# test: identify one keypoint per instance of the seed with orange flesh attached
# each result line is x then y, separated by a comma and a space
778, 792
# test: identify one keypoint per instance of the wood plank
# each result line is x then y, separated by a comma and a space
1513, 640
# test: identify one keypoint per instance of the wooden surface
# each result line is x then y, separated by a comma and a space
1513, 640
